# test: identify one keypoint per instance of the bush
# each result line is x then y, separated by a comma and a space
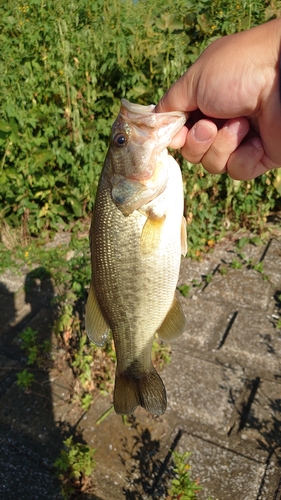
64, 67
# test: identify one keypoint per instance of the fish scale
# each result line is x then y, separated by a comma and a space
135, 256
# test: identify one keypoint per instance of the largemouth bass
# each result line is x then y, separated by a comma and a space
137, 236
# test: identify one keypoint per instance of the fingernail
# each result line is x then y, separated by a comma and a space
202, 133
256, 142
234, 128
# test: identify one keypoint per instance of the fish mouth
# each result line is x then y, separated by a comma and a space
163, 125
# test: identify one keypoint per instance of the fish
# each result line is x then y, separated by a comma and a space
137, 236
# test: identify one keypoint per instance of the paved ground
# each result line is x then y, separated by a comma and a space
223, 386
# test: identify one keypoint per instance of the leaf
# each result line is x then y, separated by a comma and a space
242, 242
256, 241
76, 207
5, 127
170, 22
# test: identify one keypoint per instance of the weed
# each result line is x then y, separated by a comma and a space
74, 466
28, 338
86, 401
105, 415
259, 268
184, 290
82, 361
182, 486
36, 352
208, 278
25, 379
223, 270
236, 264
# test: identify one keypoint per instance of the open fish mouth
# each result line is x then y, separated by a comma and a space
166, 125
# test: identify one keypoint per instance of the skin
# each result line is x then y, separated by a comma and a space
232, 95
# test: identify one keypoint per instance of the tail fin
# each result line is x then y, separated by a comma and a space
146, 390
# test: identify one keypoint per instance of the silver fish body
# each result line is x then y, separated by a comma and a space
137, 237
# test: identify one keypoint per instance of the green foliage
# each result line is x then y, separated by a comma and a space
214, 204
236, 264
184, 290
35, 350
25, 379
74, 466
37, 354
28, 338
64, 67
82, 361
182, 486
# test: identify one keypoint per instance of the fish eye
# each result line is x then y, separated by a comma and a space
120, 140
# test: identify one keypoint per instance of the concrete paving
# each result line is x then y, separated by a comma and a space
223, 386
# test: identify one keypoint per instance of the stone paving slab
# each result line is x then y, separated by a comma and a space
254, 341
202, 391
270, 262
242, 476
263, 422
242, 287
205, 324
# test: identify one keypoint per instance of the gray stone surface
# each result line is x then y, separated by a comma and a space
203, 391
242, 288
223, 388
255, 342
241, 476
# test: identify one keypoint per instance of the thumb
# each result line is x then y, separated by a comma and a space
182, 95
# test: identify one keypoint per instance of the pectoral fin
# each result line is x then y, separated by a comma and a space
96, 326
174, 324
183, 237
151, 234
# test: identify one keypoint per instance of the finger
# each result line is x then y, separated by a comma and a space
247, 162
198, 140
226, 142
179, 139
181, 96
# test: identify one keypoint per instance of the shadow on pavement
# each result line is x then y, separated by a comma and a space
29, 438
148, 475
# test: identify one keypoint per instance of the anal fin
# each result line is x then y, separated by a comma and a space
96, 326
175, 322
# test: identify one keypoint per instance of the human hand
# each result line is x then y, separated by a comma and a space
232, 95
